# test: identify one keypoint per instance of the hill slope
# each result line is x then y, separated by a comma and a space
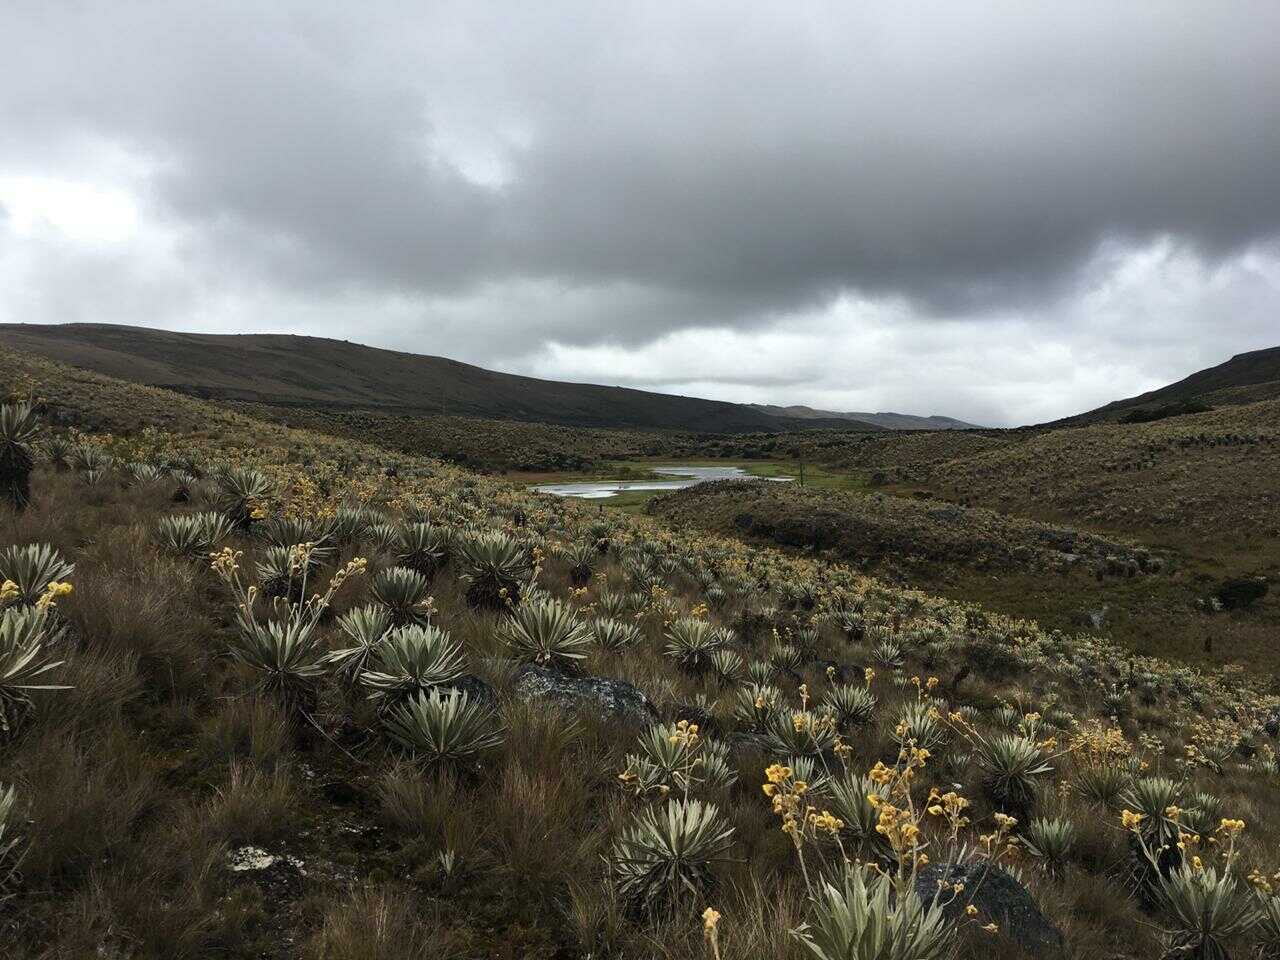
291, 370
1245, 378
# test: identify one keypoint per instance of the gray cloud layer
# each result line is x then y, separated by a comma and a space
536, 186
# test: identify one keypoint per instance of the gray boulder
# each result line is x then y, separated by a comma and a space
476, 689
998, 897
1272, 723
613, 698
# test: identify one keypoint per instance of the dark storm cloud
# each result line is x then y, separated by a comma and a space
612, 173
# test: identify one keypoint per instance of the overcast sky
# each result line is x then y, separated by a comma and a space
1005, 212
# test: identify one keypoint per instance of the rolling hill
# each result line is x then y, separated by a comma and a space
890, 421
287, 370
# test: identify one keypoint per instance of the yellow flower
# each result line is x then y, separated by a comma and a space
226, 562
1130, 820
710, 917
52, 593
992, 927
971, 910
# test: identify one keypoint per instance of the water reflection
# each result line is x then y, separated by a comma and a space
684, 477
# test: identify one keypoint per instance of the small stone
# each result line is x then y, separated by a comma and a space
280, 873
250, 858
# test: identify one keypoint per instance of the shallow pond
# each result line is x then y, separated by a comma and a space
683, 477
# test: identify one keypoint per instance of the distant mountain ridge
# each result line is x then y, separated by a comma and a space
889, 421
1245, 378
287, 370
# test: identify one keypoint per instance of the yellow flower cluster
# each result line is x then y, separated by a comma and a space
56, 590
686, 734
950, 806
899, 827
776, 774
786, 794
1262, 883
825, 822
1001, 843
354, 568
299, 557
1097, 745
925, 685
226, 562
1211, 742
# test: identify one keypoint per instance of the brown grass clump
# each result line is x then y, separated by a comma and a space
382, 924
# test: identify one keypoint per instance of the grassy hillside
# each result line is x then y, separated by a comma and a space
311, 371
196, 787
887, 532
1196, 480
490, 445
1149, 597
